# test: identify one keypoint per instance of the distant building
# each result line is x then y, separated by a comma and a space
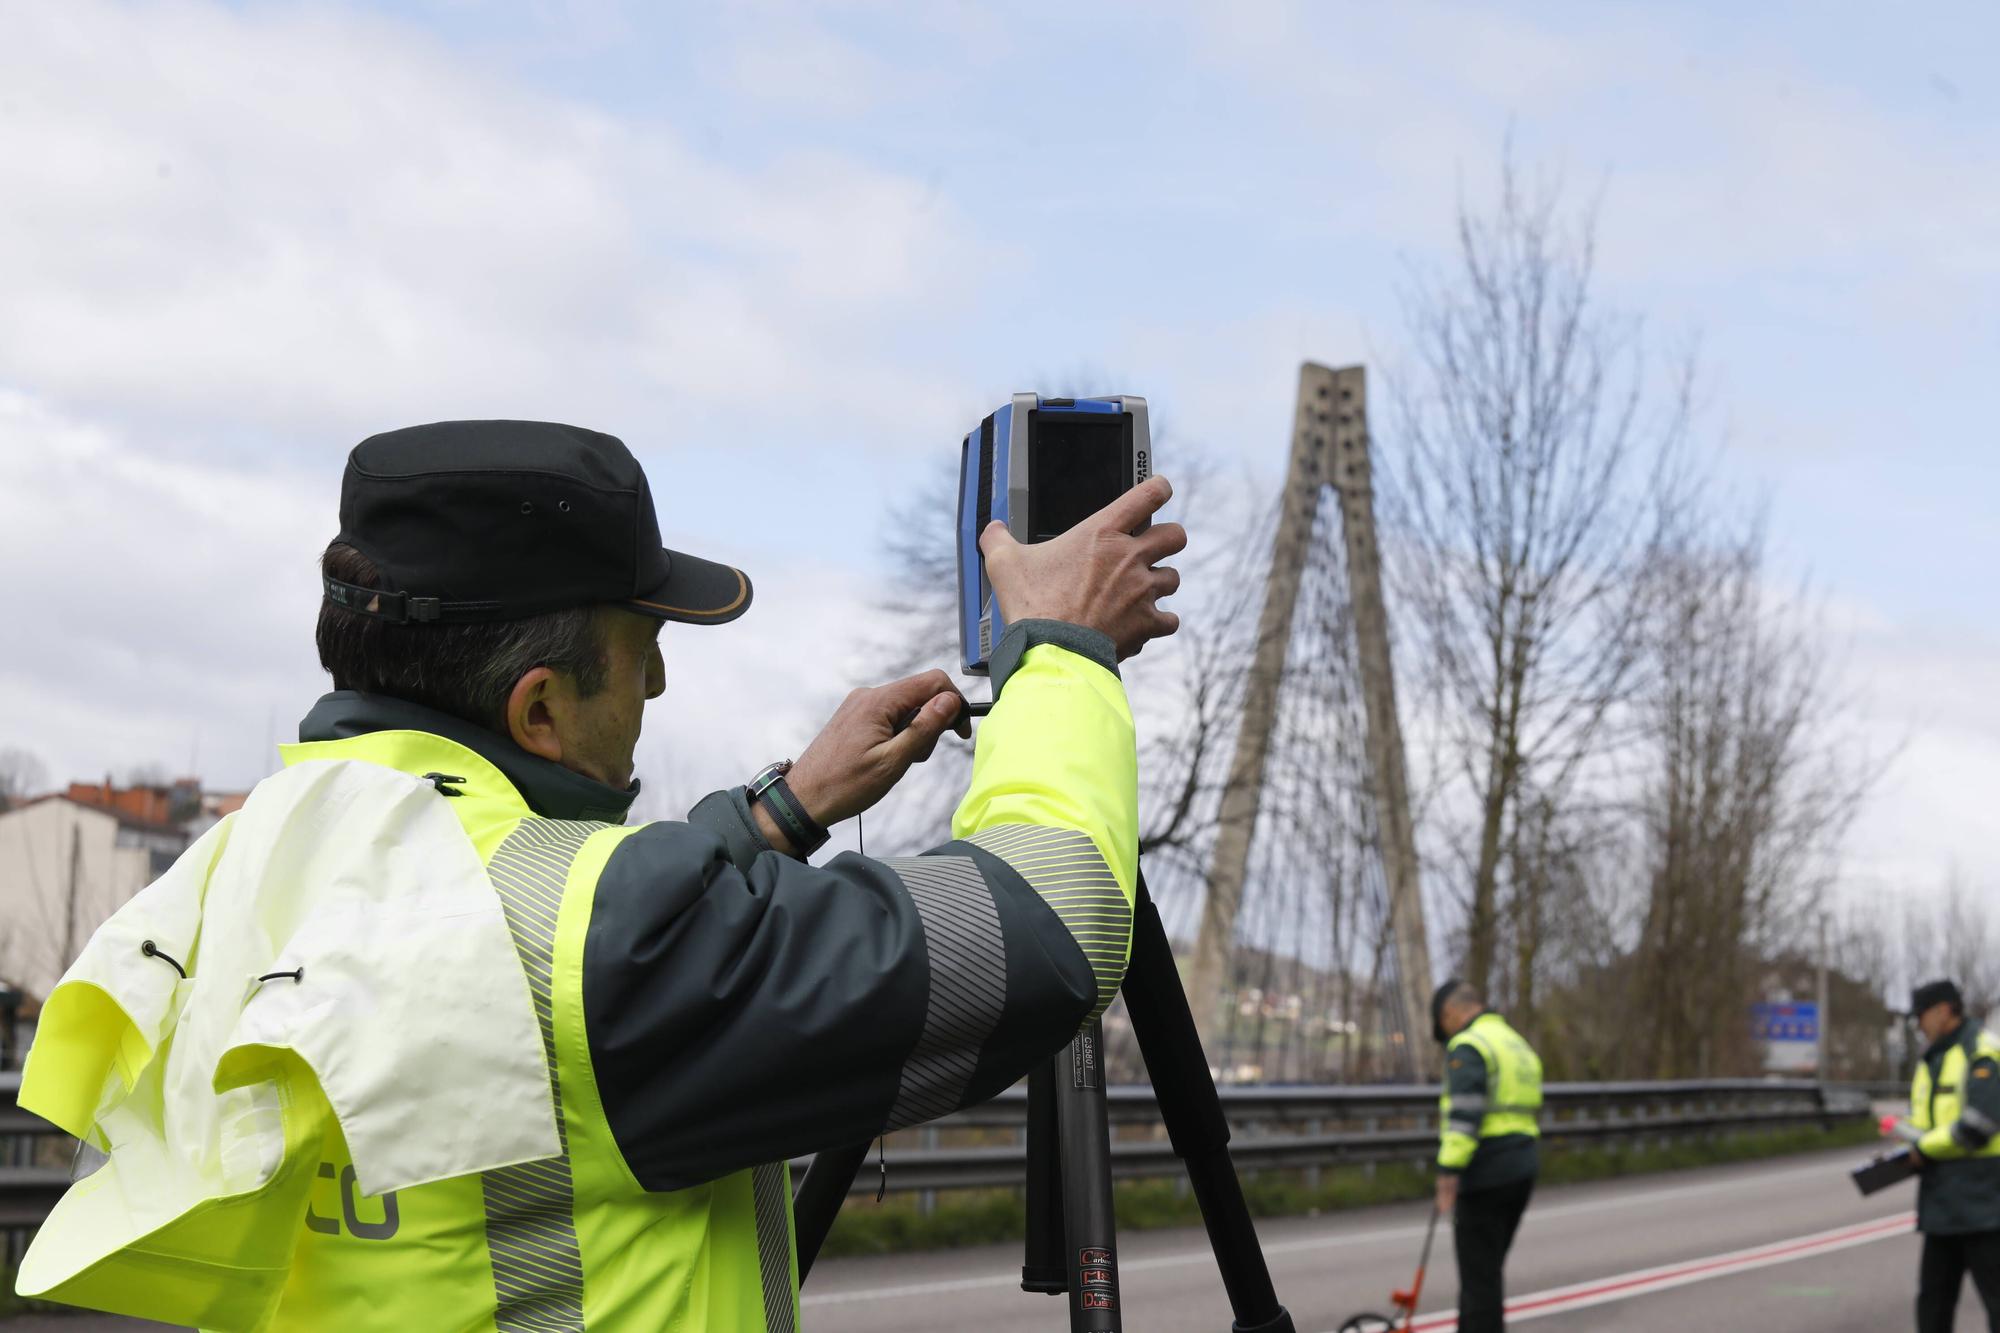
214, 805
68, 861
159, 803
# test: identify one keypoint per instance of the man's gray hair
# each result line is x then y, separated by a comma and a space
466, 670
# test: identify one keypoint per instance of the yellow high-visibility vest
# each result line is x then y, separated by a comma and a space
1513, 1100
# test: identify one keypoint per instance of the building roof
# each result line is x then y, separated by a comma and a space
151, 801
124, 820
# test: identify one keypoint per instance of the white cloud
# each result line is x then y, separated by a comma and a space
1725, 163
155, 606
171, 603
305, 223
1925, 702
792, 62
1882, 215
234, 241
252, 234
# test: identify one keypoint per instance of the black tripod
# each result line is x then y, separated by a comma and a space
1072, 1232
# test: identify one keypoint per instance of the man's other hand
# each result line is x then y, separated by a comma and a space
1447, 1195
1098, 574
867, 746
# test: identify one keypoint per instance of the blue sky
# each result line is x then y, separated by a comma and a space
791, 251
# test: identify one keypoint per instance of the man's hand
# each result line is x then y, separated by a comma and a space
867, 746
1447, 1194
1097, 574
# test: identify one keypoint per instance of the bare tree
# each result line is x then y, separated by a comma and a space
22, 775
1533, 447
1950, 933
1862, 1032
1749, 786
1972, 952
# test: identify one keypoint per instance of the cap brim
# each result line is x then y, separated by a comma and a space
697, 592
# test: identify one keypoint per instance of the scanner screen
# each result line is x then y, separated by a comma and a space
1077, 464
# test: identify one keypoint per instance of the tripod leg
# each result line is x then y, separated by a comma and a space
1090, 1228
1042, 1266
817, 1200
1193, 1115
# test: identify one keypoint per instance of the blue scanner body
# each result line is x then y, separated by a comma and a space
1041, 466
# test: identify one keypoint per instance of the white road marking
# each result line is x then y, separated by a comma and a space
1307, 1244
1645, 1281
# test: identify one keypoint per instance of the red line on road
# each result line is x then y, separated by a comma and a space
1647, 1280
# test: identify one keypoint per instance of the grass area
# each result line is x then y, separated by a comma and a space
979, 1217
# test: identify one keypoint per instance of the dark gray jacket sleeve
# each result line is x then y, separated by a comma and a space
743, 1007
726, 814
741, 1016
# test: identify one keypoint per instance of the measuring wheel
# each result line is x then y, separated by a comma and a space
1368, 1323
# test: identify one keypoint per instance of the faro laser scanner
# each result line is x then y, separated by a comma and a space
1041, 466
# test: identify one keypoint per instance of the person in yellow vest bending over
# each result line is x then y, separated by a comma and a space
428, 1037
1488, 1156
1955, 1101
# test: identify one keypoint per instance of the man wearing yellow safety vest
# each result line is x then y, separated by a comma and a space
1488, 1156
426, 1037
1955, 1101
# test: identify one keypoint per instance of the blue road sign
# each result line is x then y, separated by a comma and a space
1796, 1020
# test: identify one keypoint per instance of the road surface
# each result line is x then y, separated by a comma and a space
1777, 1246
1780, 1246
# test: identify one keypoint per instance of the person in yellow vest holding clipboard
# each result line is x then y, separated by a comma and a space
1955, 1102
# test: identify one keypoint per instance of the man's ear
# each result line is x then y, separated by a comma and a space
529, 719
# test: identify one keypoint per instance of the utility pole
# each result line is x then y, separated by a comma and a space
1340, 399
69, 945
1822, 1029
1241, 797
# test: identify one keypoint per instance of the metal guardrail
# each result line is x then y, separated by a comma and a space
1286, 1128
27, 1190
1274, 1128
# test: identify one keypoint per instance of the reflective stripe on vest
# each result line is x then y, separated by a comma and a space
530, 1222
770, 1186
530, 1225
1478, 1107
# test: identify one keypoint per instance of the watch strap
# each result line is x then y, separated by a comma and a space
804, 832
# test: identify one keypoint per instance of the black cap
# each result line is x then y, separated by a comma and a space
1438, 998
497, 520
1935, 992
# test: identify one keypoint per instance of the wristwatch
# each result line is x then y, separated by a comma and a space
770, 790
